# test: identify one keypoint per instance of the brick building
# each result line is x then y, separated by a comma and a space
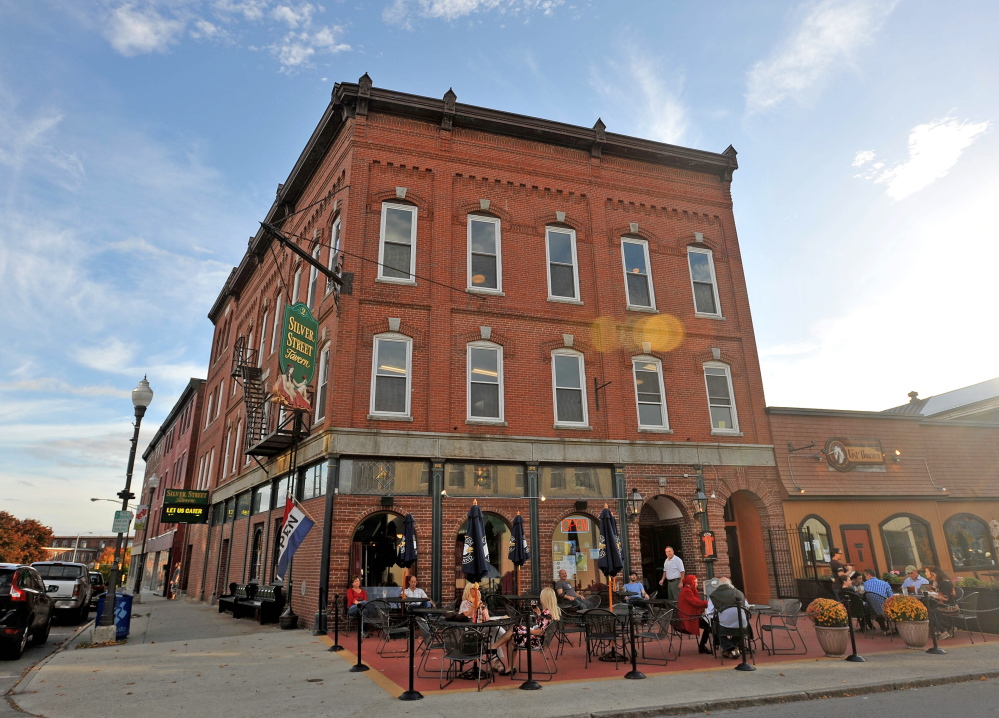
82, 548
917, 484
543, 317
169, 465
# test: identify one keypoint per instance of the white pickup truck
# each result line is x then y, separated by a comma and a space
68, 584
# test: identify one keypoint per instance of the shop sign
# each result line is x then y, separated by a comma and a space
175, 514
575, 525
297, 361
186, 497
847, 454
140, 518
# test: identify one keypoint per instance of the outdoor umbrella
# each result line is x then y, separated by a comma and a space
475, 555
609, 561
518, 548
407, 549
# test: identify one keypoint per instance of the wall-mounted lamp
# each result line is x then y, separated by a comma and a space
700, 503
898, 456
635, 502
444, 493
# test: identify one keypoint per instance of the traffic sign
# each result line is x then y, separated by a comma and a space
122, 520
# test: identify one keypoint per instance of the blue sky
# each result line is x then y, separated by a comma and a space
141, 142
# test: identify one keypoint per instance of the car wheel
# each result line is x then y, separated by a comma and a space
41, 635
15, 649
81, 615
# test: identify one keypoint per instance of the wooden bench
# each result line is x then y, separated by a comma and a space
227, 601
264, 603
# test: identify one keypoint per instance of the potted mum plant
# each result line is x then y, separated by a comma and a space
912, 619
830, 620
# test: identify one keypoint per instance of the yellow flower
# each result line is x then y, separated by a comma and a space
827, 612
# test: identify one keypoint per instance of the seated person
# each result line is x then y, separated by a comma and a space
876, 592
411, 591
945, 596
857, 583
356, 598
636, 590
725, 602
544, 614
564, 590
913, 581
691, 612
472, 606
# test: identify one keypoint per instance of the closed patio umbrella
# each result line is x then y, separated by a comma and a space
518, 548
475, 554
407, 549
609, 561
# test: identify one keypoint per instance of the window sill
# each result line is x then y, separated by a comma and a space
572, 427
717, 317
392, 280
480, 290
638, 308
485, 422
388, 417
651, 430
726, 432
565, 300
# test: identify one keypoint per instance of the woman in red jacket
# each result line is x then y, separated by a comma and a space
691, 609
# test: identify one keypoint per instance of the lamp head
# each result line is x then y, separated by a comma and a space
142, 395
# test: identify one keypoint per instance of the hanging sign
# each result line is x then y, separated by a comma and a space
297, 361
184, 506
846, 454
140, 518
709, 551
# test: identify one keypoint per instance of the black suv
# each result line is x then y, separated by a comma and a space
25, 609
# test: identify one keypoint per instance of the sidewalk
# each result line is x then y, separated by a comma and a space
187, 659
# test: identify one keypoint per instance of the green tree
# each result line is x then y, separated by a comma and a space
22, 541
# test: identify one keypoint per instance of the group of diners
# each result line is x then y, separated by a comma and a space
937, 585
357, 598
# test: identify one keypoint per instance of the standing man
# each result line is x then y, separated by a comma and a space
672, 574
838, 571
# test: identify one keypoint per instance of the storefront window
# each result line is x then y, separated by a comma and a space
230, 509
575, 543
485, 480
374, 550
243, 505
261, 498
815, 540
969, 542
384, 477
280, 493
500, 578
907, 541
576, 481
218, 513
312, 482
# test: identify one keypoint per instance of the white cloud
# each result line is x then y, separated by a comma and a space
296, 49
400, 10
829, 34
640, 84
934, 148
862, 158
293, 17
51, 385
137, 32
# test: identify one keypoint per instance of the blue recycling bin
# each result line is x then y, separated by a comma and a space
122, 614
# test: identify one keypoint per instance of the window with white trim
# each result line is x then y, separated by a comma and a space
721, 401
484, 265
650, 393
703, 282
397, 248
324, 370
568, 374
391, 373
296, 285
218, 404
310, 296
208, 412
228, 442
235, 446
334, 258
637, 276
563, 272
263, 340
278, 306
485, 381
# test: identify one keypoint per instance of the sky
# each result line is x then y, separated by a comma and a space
142, 141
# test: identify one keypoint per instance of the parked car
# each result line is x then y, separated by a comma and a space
25, 609
68, 584
98, 586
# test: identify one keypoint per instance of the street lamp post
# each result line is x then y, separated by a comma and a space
142, 395
77, 546
701, 508
153, 482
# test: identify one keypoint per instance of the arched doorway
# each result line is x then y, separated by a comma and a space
660, 524
747, 556
499, 579
374, 550
573, 543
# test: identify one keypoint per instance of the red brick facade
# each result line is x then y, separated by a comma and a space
449, 161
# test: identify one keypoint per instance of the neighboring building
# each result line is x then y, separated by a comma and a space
539, 316
82, 548
978, 402
893, 488
169, 465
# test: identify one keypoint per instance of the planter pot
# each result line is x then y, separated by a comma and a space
915, 634
833, 641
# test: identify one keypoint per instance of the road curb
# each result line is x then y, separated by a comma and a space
21, 686
721, 704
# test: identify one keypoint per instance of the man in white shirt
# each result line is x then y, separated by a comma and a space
411, 591
672, 574
913, 581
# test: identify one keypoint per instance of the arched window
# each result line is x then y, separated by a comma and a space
573, 541
256, 554
374, 549
814, 539
907, 540
499, 579
969, 542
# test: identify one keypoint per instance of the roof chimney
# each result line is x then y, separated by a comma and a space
913, 397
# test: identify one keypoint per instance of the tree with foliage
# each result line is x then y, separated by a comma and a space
22, 541
106, 559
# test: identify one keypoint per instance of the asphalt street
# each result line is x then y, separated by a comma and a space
974, 699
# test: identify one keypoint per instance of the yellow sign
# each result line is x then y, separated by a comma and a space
845, 454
